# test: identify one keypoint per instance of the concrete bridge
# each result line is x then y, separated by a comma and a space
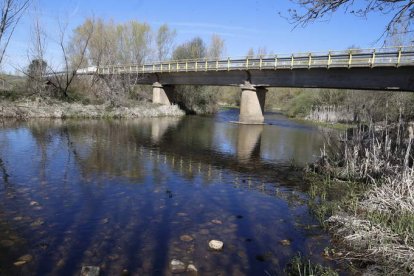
373, 69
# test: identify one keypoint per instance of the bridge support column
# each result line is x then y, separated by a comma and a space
161, 94
252, 104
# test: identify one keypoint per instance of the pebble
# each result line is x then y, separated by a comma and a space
186, 238
37, 222
7, 243
285, 242
34, 203
19, 263
23, 260
177, 266
216, 221
216, 244
192, 270
26, 258
90, 271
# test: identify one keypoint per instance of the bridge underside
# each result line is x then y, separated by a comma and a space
377, 78
254, 82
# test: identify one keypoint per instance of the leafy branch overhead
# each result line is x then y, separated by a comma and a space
401, 12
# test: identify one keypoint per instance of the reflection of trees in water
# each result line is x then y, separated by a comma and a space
122, 227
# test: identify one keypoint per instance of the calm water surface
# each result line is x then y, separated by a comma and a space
120, 194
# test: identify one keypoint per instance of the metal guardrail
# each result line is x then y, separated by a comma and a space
383, 57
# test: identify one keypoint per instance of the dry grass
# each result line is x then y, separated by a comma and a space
379, 228
41, 108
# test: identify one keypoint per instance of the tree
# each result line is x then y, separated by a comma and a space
74, 57
193, 49
402, 11
36, 53
194, 98
11, 13
165, 39
216, 48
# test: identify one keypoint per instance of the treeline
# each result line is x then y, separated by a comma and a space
98, 42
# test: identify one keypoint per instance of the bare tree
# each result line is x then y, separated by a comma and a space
402, 11
36, 56
165, 39
11, 13
74, 59
216, 48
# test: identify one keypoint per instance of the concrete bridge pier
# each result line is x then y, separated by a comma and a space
252, 104
161, 94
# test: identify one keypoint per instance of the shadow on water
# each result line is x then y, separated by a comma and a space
121, 194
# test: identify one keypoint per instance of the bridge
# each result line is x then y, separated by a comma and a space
363, 69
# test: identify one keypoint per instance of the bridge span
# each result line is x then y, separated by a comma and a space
364, 69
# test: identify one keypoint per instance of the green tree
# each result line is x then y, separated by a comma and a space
193, 98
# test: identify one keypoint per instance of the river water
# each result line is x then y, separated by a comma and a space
135, 194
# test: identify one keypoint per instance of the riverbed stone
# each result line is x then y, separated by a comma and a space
37, 222
90, 271
19, 263
177, 266
27, 258
285, 242
216, 245
192, 270
186, 238
7, 243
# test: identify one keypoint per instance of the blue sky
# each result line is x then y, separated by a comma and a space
242, 24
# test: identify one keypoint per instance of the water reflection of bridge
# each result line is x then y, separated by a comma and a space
194, 146
189, 145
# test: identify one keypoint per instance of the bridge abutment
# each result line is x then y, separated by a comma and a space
252, 104
161, 94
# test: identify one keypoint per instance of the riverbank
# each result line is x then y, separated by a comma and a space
362, 192
50, 108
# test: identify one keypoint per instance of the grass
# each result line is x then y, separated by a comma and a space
300, 266
363, 193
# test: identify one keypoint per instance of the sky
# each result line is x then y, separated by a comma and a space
243, 24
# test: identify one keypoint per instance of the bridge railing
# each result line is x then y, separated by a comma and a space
383, 57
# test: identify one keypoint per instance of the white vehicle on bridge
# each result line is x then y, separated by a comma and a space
87, 70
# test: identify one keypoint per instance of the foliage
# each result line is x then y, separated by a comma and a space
197, 99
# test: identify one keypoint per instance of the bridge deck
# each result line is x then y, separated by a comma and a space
366, 58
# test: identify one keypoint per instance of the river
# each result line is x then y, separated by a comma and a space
132, 195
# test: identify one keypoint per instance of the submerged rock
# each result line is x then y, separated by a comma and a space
216, 244
37, 222
192, 270
19, 263
177, 266
23, 260
186, 238
285, 242
7, 243
90, 271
